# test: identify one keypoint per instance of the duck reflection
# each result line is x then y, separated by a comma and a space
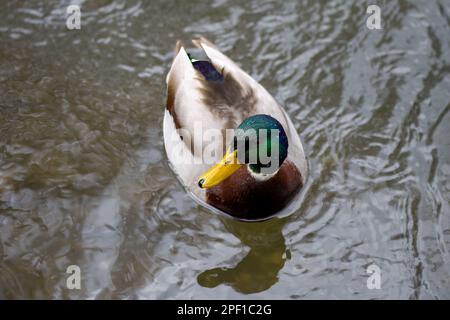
258, 271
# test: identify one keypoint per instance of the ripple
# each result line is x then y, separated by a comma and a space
84, 178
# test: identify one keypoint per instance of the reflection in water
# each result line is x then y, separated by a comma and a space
258, 271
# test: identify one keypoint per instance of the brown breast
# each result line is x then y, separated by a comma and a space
242, 196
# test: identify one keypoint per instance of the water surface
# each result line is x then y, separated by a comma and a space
84, 177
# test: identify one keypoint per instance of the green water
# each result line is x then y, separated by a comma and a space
84, 177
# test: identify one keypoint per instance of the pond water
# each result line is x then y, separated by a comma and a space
84, 178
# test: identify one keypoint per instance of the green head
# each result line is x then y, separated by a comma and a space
259, 142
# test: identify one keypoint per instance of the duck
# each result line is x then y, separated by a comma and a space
231, 145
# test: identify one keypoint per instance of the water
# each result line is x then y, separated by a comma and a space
84, 178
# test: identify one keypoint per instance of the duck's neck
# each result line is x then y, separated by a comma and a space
244, 196
261, 176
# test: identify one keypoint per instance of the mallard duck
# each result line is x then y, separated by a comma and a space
215, 95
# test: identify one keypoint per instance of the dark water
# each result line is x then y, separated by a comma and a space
84, 178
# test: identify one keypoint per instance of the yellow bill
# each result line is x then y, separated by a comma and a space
225, 168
